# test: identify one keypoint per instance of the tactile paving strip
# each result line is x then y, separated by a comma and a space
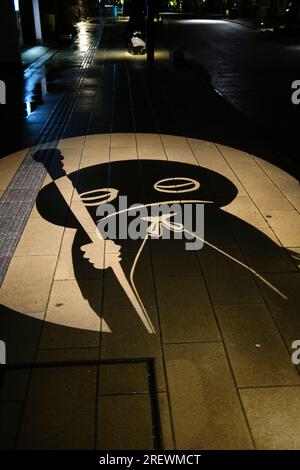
18, 199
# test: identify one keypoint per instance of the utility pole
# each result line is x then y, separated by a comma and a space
150, 31
10, 57
37, 21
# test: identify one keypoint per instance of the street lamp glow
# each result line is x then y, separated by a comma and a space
17, 6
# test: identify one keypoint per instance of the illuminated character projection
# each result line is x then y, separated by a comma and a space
148, 183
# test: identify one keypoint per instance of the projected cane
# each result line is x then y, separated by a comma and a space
52, 159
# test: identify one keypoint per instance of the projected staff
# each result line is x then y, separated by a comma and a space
95, 251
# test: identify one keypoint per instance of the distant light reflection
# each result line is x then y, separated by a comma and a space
201, 21
83, 38
28, 108
123, 54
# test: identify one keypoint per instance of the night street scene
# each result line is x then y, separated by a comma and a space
149, 232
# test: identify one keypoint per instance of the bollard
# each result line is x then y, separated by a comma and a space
150, 31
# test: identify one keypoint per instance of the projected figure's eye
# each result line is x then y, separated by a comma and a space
98, 196
178, 185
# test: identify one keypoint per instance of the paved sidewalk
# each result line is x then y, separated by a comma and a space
38, 54
254, 78
248, 23
217, 374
